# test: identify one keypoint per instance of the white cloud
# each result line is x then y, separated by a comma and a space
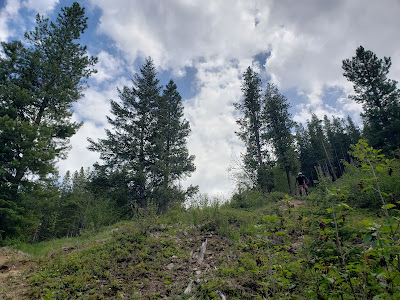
210, 114
8, 13
80, 156
175, 33
108, 67
43, 7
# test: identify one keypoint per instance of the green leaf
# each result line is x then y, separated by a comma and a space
271, 218
366, 188
345, 205
367, 238
389, 206
374, 244
379, 168
331, 280
386, 255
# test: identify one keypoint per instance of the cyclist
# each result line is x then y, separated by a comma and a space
301, 179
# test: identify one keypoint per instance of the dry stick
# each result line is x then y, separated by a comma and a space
188, 288
202, 251
200, 259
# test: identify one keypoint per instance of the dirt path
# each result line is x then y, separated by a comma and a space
14, 266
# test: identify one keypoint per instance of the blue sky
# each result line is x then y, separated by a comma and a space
205, 46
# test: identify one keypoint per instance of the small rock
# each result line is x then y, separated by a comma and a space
170, 266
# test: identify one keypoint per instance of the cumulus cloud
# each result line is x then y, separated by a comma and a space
43, 7
9, 12
108, 67
174, 33
309, 41
210, 114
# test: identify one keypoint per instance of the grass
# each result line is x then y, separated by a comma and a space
45, 248
266, 249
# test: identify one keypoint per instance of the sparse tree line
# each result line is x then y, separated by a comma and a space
275, 144
144, 155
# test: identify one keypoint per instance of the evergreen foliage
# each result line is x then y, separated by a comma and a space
38, 85
172, 160
379, 96
145, 153
324, 144
252, 127
278, 130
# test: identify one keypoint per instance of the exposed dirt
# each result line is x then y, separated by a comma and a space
14, 265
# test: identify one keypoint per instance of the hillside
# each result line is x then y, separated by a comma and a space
256, 247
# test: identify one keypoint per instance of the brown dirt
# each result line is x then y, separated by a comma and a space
14, 267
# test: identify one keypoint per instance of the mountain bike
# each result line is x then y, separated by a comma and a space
302, 190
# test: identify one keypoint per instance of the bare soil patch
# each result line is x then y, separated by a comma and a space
14, 267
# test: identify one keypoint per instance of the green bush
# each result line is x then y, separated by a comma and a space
276, 196
248, 199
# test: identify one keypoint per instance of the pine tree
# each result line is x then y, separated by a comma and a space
145, 153
172, 159
303, 149
278, 130
128, 148
378, 94
353, 132
38, 85
320, 153
252, 127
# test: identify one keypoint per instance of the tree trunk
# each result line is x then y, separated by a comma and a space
287, 169
329, 162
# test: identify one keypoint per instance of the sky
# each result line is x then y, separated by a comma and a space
205, 46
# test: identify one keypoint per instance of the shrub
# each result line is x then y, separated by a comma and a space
248, 199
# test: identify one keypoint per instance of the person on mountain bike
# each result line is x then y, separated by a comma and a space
302, 180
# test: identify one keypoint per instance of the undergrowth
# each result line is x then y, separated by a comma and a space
325, 246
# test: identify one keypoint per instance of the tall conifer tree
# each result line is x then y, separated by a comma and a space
171, 156
127, 150
145, 153
252, 127
379, 96
278, 129
38, 85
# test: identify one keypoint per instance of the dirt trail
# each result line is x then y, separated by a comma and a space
14, 265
